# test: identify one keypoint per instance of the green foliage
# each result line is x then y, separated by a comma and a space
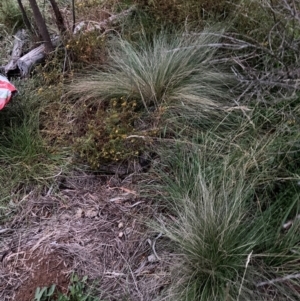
146, 78
25, 160
22, 156
212, 229
179, 11
52, 72
168, 68
230, 182
88, 4
77, 292
227, 230
244, 17
10, 15
44, 293
86, 48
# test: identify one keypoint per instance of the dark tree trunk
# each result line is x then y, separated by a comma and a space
24, 15
41, 25
73, 15
59, 19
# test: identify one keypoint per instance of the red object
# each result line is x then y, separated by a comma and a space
6, 91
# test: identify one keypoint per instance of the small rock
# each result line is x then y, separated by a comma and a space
91, 213
152, 258
79, 212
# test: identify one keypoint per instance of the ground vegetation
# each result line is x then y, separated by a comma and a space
154, 153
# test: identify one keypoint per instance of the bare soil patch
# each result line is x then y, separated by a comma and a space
95, 226
43, 270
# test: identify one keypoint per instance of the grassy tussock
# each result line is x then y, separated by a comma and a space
229, 225
213, 233
26, 161
149, 87
169, 68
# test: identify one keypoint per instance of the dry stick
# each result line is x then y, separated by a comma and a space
152, 245
58, 17
5, 230
252, 43
246, 266
272, 10
132, 274
288, 277
25, 17
213, 45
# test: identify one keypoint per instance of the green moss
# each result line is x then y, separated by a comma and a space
86, 48
108, 132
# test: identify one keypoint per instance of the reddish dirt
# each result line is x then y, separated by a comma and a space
44, 270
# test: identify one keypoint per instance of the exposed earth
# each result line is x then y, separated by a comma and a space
93, 226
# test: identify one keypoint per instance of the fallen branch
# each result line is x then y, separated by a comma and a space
91, 25
19, 42
35, 56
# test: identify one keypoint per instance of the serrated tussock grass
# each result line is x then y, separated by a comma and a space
169, 77
171, 68
212, 230
227, 224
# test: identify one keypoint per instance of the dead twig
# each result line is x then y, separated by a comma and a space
282, 279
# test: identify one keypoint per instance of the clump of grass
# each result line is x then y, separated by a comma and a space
212, 230
168, 68
147, 77
10, 15
25, 159
228, 225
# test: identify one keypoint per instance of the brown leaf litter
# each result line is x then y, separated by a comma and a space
88, 228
